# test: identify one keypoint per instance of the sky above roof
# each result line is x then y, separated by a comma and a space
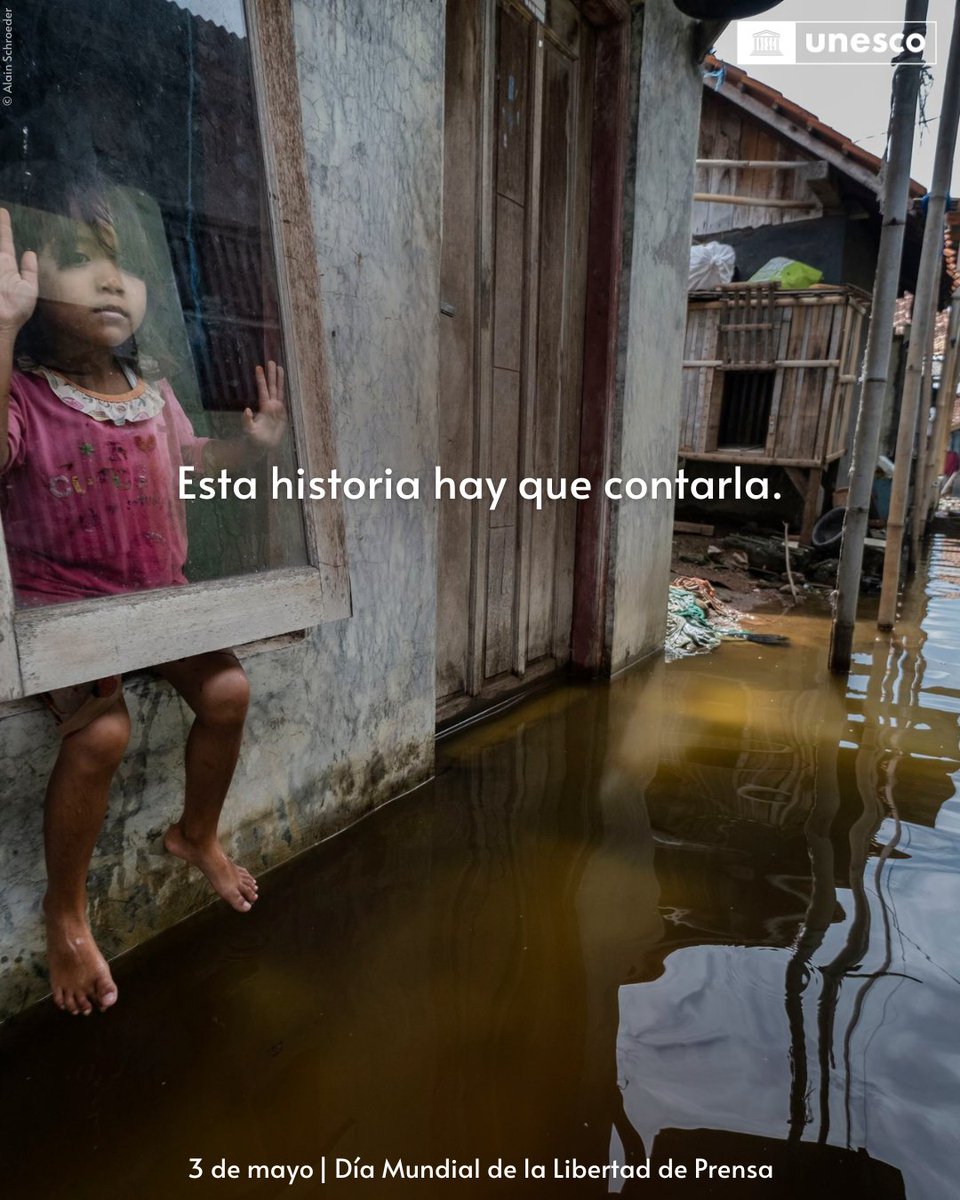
856, 100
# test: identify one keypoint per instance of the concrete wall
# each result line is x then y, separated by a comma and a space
820, 242
665, 106
343, 720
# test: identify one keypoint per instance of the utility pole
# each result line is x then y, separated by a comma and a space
924, 308
903, 113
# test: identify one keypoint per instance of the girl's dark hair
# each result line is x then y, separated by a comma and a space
48, 203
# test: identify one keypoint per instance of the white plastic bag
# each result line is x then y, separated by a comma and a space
710, 265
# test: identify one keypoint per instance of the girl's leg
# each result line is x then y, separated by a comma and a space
216, 688
76, 804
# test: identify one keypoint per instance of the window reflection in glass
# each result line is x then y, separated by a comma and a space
134, 170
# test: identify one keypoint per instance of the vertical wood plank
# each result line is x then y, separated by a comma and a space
273, 59
571, 411
458, 365
608, 126
10, 682
484, 351
508, 284
554, 300
510, 280
836, 349
798, 377
782, 332
513, 101
530, 383
502, 556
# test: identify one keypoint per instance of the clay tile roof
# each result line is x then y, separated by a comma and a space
779, 104
940, 332
903, 316
903, 312
950, 255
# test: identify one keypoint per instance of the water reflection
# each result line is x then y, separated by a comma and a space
703, 1047
704, 912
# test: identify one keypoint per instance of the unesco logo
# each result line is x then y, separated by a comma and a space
833, 43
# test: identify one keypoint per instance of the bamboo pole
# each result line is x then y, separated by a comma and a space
750, 164
906, 88
946, 393
931, 457
751, 201
926, 424
946, 398
924, 305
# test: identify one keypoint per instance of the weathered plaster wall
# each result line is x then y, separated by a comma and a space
664, 106
343, 720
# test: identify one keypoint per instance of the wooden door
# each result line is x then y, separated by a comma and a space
519, 95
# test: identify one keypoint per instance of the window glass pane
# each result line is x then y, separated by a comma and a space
132, 165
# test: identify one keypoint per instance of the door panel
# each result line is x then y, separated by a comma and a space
519, 105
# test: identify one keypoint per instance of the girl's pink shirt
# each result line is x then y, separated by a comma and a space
91, 508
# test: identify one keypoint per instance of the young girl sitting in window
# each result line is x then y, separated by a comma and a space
89, 468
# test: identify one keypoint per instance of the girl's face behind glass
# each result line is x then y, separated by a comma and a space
85, 293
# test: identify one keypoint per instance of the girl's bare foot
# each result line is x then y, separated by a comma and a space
79, 976
234, 883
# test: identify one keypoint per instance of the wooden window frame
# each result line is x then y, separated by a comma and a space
62, 644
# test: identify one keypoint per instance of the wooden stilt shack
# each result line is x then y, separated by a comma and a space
770, 379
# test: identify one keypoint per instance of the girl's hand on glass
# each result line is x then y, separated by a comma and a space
18, 287
266, 428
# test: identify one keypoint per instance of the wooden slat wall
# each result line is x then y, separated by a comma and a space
725, 132
701, 346
810, 408
848, 387
804, 393
824, 418
784, 332
787, 442
692, 380
748, 327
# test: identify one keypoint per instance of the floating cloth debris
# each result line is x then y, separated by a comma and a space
698, 620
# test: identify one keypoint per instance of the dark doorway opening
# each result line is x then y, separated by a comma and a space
745, 410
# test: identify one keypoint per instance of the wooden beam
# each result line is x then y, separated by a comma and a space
801, 137
274, 65
792, 363
748, 458
751, 201
753, 165
808, 362
798, 479
811, 507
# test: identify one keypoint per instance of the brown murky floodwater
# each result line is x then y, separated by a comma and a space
708, 912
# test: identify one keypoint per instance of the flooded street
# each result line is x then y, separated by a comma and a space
706, 912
